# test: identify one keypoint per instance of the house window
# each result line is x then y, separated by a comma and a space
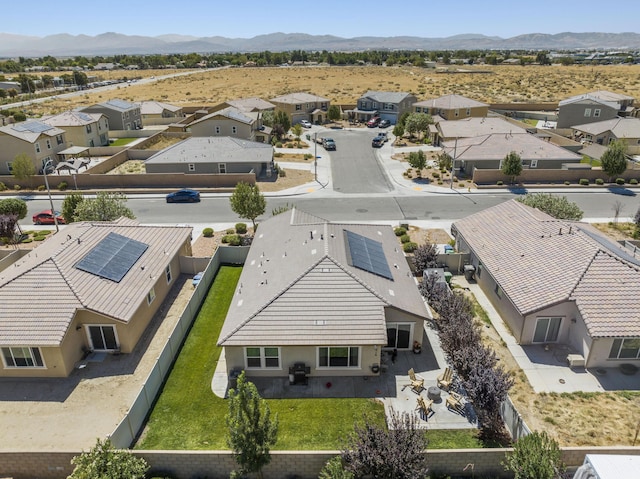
323, 106
217, 130
91, 143
374, 105
10, 166
498, 291
596, 113
151, 295
103, 338
338, 357
262, 358
587, 112
388, 106
222, 168
88, 128
192, 167
547, 330
234, 129
628, 348
468, 111
167, 273
534, 163
48, 144
22, 358
37, 147
418, 109
59, 139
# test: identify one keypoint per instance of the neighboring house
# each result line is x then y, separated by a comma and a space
556, 281
8, 85
387, 105
329, 295
470, 127
122, 115
488, 152
155, 110
213, 155
250, 104
39, 141
604, 132
452, 107
593, 107
233, 122
303, 106
82, 129
93, 287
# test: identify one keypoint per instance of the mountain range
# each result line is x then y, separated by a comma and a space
110, 43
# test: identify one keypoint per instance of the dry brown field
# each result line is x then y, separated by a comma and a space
344, 85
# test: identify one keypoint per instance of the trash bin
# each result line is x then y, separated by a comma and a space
469, 271
233, 378
308, 136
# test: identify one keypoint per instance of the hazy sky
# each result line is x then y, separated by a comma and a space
344, 18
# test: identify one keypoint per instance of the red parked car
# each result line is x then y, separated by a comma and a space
46, 218
373, 122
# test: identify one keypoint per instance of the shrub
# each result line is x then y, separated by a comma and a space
233, 240
599, 181
633, 181
279, 144
3, 187
399, 231
39, 238
567, 183
17, 187
230, 231
405, 238
241, 228
307, 156
435, 174
282, 173
620, 181
278, 154
409, 247
207, 232
41, 187
27, 240
291, 145
499, 183
63, 185
584, 181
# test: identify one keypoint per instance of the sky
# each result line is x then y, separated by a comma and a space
343, 18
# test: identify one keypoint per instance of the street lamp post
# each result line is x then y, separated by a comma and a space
46, 182
315, 155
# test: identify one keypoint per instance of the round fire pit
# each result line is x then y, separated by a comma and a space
434, 393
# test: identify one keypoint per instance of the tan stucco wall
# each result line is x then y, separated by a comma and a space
208, 128
11, 146
393, 315
566, 311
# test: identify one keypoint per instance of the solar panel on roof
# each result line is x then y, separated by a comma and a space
113, 257
32, 126
84, 116
124, 105
367, 254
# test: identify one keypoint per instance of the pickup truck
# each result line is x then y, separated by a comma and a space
379, 140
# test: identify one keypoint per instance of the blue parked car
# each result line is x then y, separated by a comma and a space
184, 196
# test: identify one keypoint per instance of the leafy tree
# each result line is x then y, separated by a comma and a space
445, 161
334, 469
13, 206
398, 130
512, 165
8, 223
3, 93
282, 119
12, 92
613, 160
267, 118
397, 452
425, 256
80, 78
417, 160
247, 202
69, 206
334, 113
26, 83
557, 206
104, 207
297, 132
22, 167
417, 123
487, 388
252, 432
103, 461
535, 456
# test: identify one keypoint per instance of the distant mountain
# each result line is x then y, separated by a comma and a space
115, 43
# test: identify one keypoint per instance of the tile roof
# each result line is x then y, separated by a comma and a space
386, 96
588, 98
232, 113
251, 104
450, 102
299, 97
299, 288
620, 127
30, 130
42, 291
115, 104
468, 127
72, 118
156, 107
214, 149
539, 261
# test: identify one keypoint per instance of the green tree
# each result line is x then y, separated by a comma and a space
103, 461
80, 78
13, 206
268, 118
12, 92
252, 431
417, 160
535, 456
417, 123
334, 113
613, 160
104, 207
512, 166
557, 206
398, 130
69, 206
445, 162
297, 132
22, 167
282, 119
247, 202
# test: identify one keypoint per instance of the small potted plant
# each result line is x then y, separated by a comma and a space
417, 347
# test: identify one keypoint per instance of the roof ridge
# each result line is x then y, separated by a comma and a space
582, 275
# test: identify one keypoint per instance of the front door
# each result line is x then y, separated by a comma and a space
399, 335
547, 330
103, 338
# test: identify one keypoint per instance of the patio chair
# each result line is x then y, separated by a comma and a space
425, 407
456, 402
417, 383
445, 379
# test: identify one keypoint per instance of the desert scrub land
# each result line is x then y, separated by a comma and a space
344, 85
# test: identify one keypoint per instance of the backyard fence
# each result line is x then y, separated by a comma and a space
513, 420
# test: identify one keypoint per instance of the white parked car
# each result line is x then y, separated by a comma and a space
305, 123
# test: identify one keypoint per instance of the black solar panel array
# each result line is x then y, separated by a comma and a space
367, 254
113, 257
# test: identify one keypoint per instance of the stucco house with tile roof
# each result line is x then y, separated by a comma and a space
452, 107
91, 287
252, 104
156, 110
233, 122
474, 126
38, 140
303, 106
82, 129
604, 132
593, 107
329, 295
556, 281
388, 105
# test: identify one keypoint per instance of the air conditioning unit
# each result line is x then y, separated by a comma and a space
575, 360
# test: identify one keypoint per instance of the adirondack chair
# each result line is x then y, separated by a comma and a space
456, 402
425, 407
417, 383
445, 379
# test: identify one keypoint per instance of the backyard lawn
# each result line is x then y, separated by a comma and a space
121, 141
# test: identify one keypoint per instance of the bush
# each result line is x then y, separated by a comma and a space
307, 156
27, 240
409, 247
39, 238
499, 183
41, 187
233, 239
17, 187
633, 181
63, 185
620, 181
435, 174
278, 154
282, 173
584, 181
291, 145
399, 231
3, 187
230, 231
207, 232
567, 183
405, 239
599, 181
241, 228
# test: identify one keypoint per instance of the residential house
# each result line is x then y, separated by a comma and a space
303, 106
10, 85
556, 281
82, 129
122, 115
250, 105
93, 287
387, 105
213, 155
448, 130
626, 130
328, 295
488, 152
233, 122
39, 141
155, 110
594, 107
452, 107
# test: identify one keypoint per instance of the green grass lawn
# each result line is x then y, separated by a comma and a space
122, 141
